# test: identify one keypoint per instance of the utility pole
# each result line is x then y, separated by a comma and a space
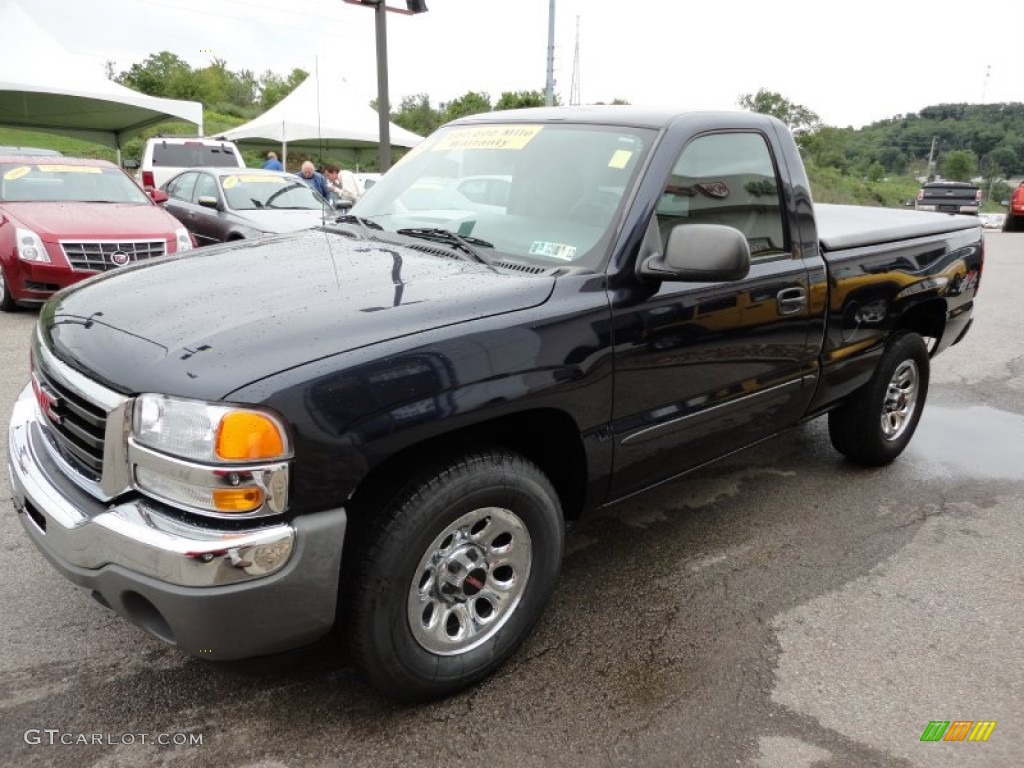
931, 160
549, 91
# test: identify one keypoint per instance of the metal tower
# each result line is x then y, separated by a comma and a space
574, 88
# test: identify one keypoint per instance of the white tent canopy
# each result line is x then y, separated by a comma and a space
324, 111
44, 87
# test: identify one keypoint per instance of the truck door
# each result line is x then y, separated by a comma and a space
702, 369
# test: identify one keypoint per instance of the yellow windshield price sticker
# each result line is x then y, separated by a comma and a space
16, 173
253, 178
488, 137
68, 169
620, 159
229, 182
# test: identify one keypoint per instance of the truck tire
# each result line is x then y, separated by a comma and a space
449, 576
875, 425
6, 297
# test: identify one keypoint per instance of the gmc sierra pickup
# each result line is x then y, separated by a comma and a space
385, 424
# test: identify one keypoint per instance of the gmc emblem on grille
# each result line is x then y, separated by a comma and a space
49, 401
119, 258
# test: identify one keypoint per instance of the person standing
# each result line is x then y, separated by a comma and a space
272, 163
314, 179
342, 183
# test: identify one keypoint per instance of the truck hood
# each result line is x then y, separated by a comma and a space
208, 322
93, 221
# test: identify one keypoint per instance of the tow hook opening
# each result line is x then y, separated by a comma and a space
35, 516
146, 615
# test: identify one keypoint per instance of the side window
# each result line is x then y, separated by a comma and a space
206, 186
180, 188
726, 178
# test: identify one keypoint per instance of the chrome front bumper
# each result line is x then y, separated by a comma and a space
215, 592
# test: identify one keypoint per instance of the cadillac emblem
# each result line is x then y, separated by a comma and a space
119, 258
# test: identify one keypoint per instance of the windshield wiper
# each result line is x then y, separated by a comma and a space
464, 242
350, 218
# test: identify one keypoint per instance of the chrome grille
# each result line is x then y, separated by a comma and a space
99, 255
77, 426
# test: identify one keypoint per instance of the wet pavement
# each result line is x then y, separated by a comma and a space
781, 609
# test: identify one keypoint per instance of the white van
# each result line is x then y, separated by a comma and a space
166, 156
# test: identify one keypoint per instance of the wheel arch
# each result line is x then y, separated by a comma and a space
548, 437
927, 319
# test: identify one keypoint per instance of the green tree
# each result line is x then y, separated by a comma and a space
470, 103
520, 100
999, 161
159, 75
415, 114
273, 87
799, 118
959, 165
893, 160
827, 147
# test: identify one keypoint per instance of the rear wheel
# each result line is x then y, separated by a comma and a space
876, 424
6, 297
450, 574
1013, 223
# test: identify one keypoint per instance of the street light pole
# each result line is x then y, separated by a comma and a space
383, 103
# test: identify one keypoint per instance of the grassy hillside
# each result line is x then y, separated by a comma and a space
76, 147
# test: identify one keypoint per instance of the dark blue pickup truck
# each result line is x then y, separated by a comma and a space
385, 424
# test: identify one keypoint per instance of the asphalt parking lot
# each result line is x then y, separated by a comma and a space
783, 609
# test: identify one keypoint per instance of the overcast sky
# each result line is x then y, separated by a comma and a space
852, 63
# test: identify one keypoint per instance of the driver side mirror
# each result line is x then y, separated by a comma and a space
209, 201
157, 195
700, 253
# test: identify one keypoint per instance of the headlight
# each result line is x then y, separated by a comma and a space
191, 429
29, 246
183, 238
213, 459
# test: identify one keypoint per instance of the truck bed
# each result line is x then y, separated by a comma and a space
854, 226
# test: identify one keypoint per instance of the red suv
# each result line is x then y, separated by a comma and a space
1014, 221
64, 219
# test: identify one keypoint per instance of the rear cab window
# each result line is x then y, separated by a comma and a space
195, 154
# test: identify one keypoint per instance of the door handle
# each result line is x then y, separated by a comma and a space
791, 300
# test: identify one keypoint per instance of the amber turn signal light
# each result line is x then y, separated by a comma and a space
246, 435
237, 499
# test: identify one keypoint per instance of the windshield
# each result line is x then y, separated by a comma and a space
57, 182
541, 194
252, 192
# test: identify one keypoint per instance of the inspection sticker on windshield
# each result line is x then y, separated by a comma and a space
553, 250
488, 137
16, 173
620, 158
69, 169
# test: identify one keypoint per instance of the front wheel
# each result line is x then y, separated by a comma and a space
875, 425
451, 574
